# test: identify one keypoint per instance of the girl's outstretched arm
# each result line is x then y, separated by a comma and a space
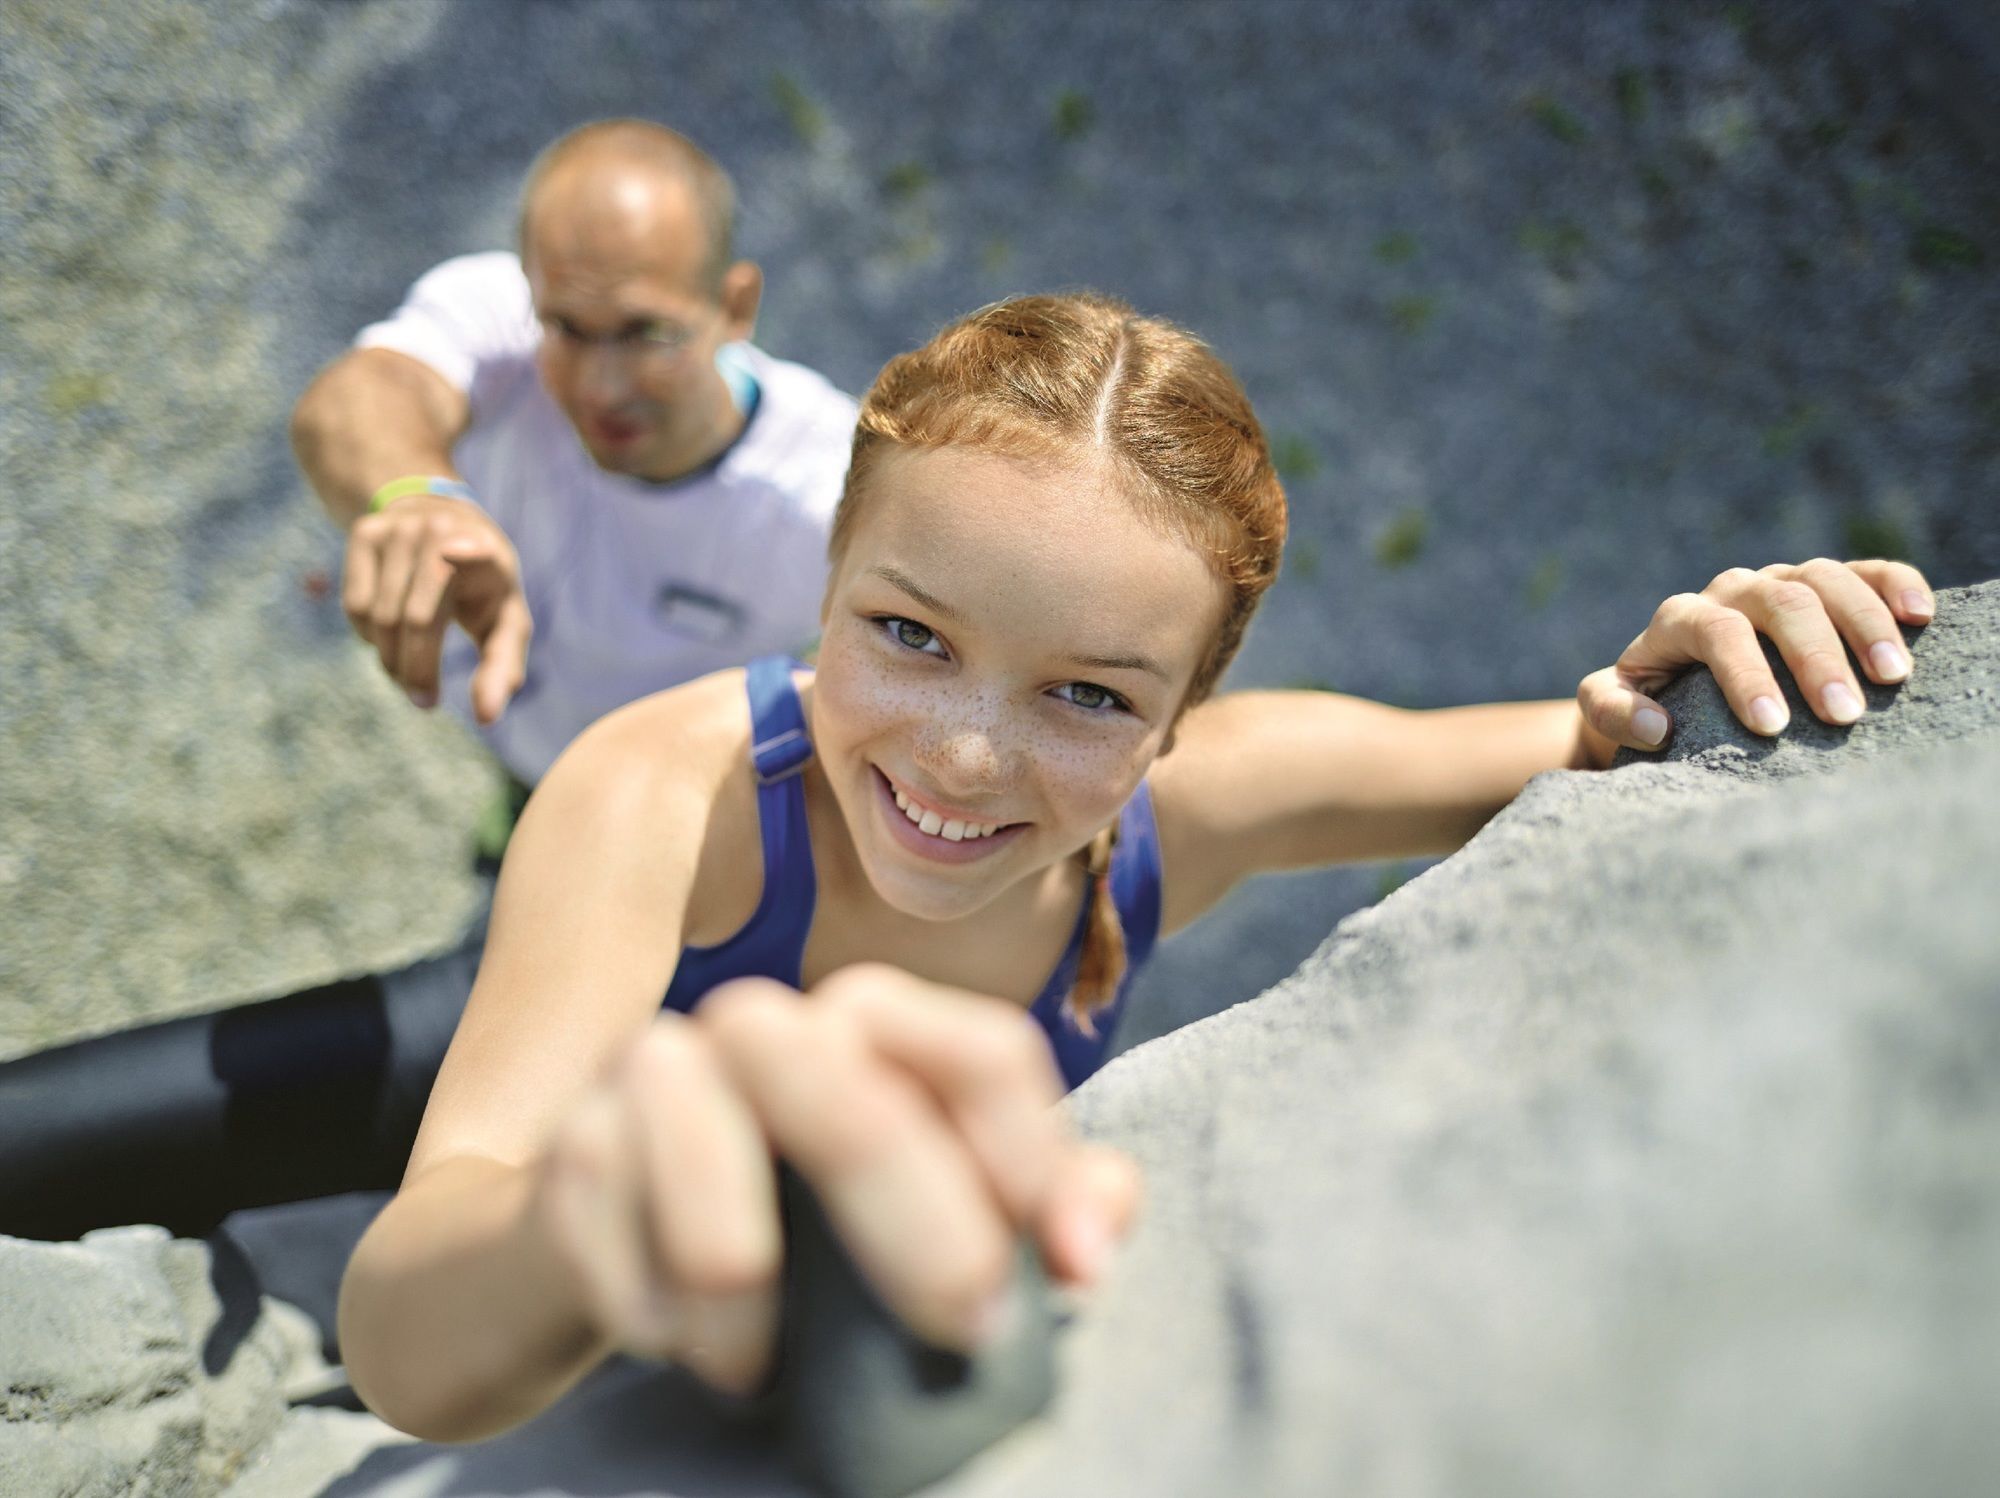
456, 1315
1261, 781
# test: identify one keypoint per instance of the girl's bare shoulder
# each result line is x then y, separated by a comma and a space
653, 771
686, 739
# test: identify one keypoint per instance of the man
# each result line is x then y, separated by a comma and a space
579, 447
578, 459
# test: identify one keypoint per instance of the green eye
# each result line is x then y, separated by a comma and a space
913, 634
1090, 697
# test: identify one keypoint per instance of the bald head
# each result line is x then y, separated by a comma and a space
637, 181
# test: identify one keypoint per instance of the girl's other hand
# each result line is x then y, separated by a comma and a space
1807, 610
924, 1118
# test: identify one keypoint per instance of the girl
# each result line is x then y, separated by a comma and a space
1005, 778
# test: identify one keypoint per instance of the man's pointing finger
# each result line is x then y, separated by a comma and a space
503, 660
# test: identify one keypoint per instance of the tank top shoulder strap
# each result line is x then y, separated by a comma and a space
779, 751
772, 943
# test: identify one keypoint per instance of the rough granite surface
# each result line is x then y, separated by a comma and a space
136, 1363
1648, 1144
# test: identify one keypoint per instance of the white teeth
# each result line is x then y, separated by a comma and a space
956, 830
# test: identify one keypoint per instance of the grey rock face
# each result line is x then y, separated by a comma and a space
1651, 1143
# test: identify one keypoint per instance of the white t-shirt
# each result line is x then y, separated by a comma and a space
634, 586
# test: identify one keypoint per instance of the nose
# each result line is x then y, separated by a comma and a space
968, 753
604, 374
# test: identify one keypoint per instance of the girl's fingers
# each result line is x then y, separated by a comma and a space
1814, 613
989, 1067
598, 1229
1797, 607
709, 1203
1620, 712
899, 1185
1852, 606
1691, 627
1090, 1210
1902, 587
986, 1063
729, 1341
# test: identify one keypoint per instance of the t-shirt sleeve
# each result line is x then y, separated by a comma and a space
471, 319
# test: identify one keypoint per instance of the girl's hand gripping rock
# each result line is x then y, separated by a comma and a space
924, 1119
1808, 610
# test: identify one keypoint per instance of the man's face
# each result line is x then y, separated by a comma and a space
630, 328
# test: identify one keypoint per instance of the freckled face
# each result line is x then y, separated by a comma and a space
1005, 647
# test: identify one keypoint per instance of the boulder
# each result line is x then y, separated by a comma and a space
138, 1363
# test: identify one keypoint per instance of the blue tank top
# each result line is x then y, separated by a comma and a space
772, 943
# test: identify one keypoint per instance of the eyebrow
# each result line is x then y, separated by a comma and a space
1096, 662
1122, 663
928, 600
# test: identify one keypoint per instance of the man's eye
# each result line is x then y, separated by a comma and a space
1094, 698
912, 634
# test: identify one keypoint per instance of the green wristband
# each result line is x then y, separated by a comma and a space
418, 483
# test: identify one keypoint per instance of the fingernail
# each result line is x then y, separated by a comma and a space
423, 699
1649, 725
1889, 661
1916, 603
1768, 715
1089, 1247
1841, 704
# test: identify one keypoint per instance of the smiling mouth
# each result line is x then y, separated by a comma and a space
937, 828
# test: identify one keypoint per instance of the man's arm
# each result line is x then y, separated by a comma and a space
374, 415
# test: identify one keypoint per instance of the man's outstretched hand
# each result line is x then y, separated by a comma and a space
423, 563
1808, 610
